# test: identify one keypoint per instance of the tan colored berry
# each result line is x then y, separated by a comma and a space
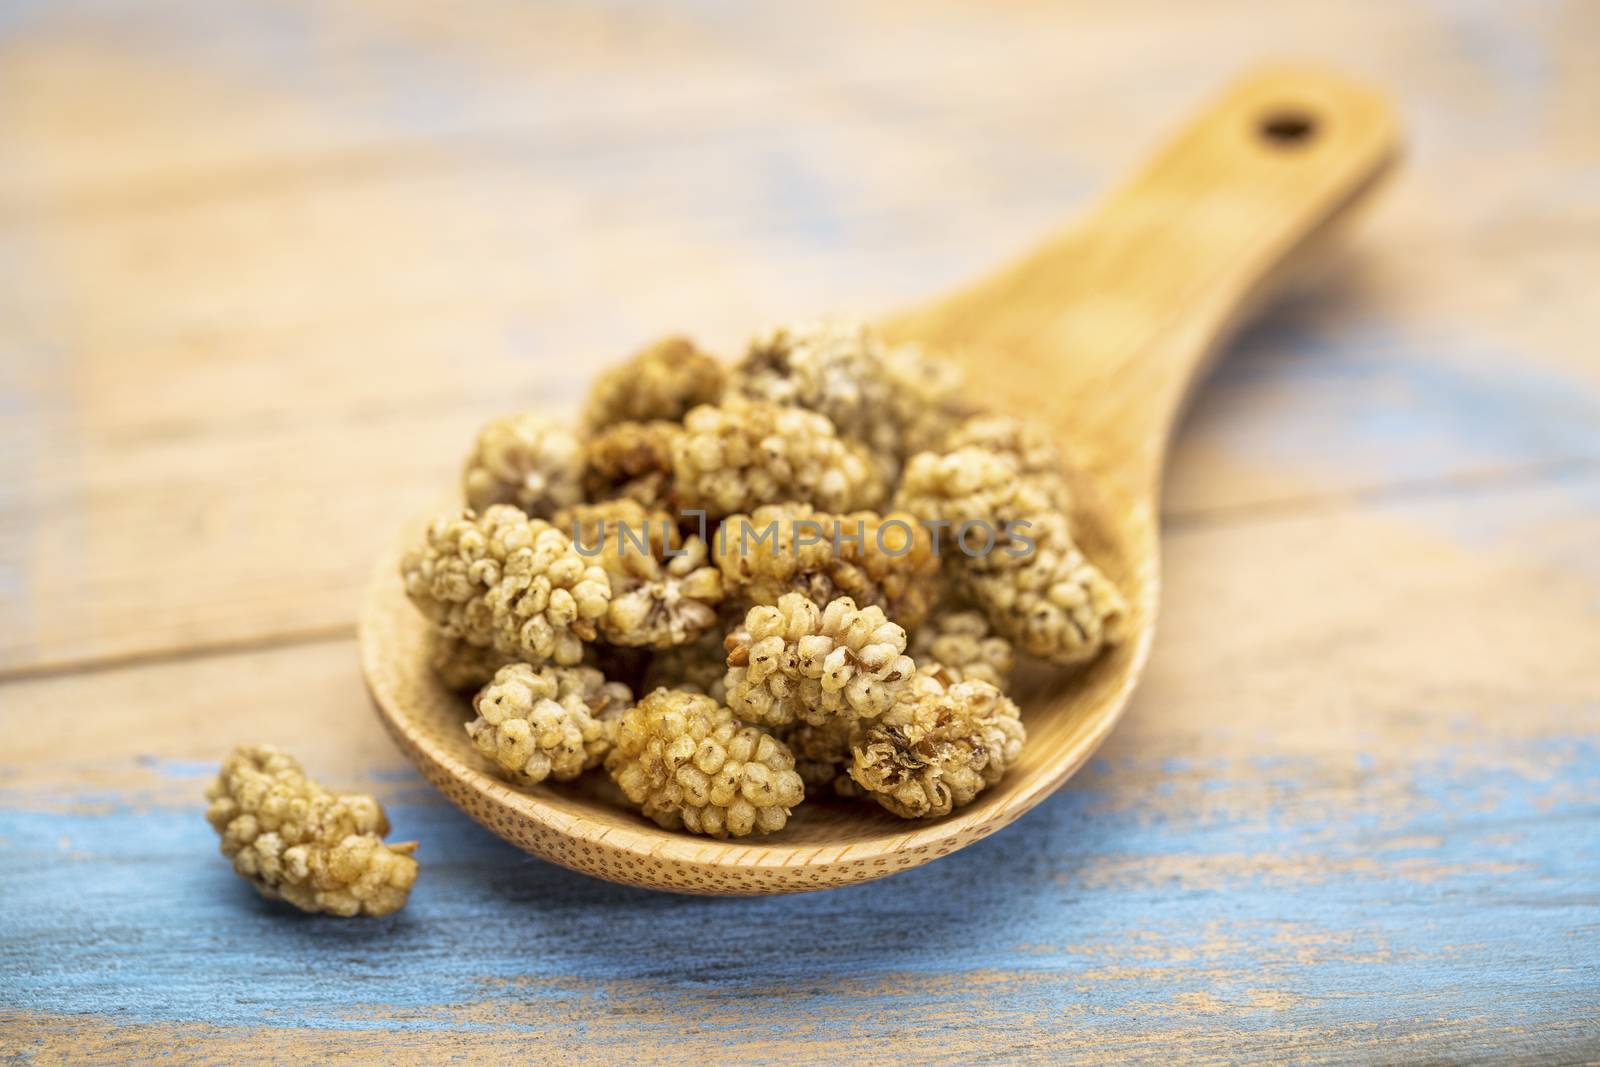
529, 460
796, 662
632, 460
664, 592
893, 399
1024, 441
685, 761
1058, 605
965, 647
834, 368
1022, 568
976, 492
928, 397
535, 723
884, 561
742, 454
295, 841
505, 581
663, 381
938, 750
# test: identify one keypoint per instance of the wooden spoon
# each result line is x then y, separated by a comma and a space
1100, 331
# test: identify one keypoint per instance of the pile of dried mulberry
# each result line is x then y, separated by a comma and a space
816, 567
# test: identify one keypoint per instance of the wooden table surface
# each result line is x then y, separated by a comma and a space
267, 265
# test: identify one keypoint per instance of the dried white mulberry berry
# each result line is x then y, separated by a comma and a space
884, 561
742, 454
529, 460
1024, 441
938, 750
795, 662
661, 382
663, 590
894, 399
963, 645
834, 368
295, 841
1021, 567
1057, 605
503, 580
976, 493
546, 722
686, 761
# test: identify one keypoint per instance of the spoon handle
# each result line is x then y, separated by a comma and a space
1103, 328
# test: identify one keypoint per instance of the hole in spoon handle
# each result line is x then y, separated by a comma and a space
1288, 127
1103, 328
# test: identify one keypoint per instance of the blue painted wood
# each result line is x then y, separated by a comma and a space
1096, 915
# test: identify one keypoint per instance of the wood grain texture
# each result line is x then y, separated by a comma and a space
496, 229
267, 265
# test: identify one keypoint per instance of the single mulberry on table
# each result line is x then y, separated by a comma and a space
529, 460
794, 662
664, 591
742, 454
685, 761
884, 561
535, 723
663, 381
965, 647
295, 841
939, 749
500, 579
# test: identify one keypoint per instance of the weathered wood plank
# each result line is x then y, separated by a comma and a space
230, 339
1351, 816
266, 266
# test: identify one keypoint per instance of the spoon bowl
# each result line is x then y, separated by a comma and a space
1100, 333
